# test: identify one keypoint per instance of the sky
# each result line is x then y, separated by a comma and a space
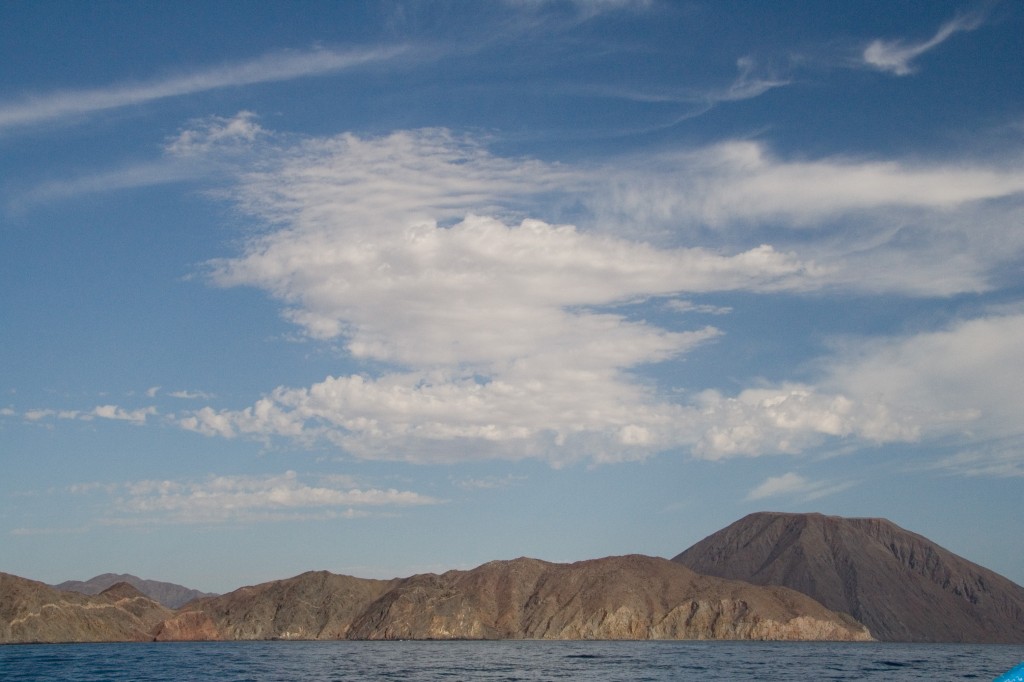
388, 288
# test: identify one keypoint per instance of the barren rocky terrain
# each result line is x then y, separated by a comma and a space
769, 576
903, 586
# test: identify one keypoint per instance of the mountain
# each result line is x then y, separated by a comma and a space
170, 595
31, 611
627, 597
313, 605
631, 597
902, 586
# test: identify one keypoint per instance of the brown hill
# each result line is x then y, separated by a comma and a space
33, 612
631, 597
313, 605
169, 594
901, 585
628, 597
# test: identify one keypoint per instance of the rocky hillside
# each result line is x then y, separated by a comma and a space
631, 597
901, 585
170, 595
314, 605
31, 611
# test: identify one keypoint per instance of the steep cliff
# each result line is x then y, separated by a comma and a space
903, 586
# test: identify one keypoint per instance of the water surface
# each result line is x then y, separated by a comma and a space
506, 661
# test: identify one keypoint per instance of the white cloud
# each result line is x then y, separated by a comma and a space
748, 83
795, 485
488, 482
268, 68
958, 383
119, 413
129, 177
742, 182
210, 148
791, 418
190, 395
502, 334
965, 377
241, 131
505, 333
1002, 459
895, 56
683, 306
137, 416
868, 225
243, 498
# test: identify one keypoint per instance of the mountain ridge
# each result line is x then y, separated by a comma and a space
170, 595
755, 579
630, 597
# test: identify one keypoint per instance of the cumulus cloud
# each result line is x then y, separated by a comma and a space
503, 335
137, 416
217, 499
795, 485
791, 418
895, 56
506, 333
119, 413
954, 383
948, 380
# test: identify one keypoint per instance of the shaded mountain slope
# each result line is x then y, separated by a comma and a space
31, 611
903, 586
170, 595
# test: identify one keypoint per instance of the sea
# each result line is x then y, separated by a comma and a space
505, 660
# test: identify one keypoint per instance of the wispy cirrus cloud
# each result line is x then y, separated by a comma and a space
213, 147
895, 56
1001, 459
221, 499
874, 225
795, 485
39, 108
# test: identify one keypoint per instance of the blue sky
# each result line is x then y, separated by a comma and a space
387, 288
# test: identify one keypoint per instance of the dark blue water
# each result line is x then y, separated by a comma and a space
506, 661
